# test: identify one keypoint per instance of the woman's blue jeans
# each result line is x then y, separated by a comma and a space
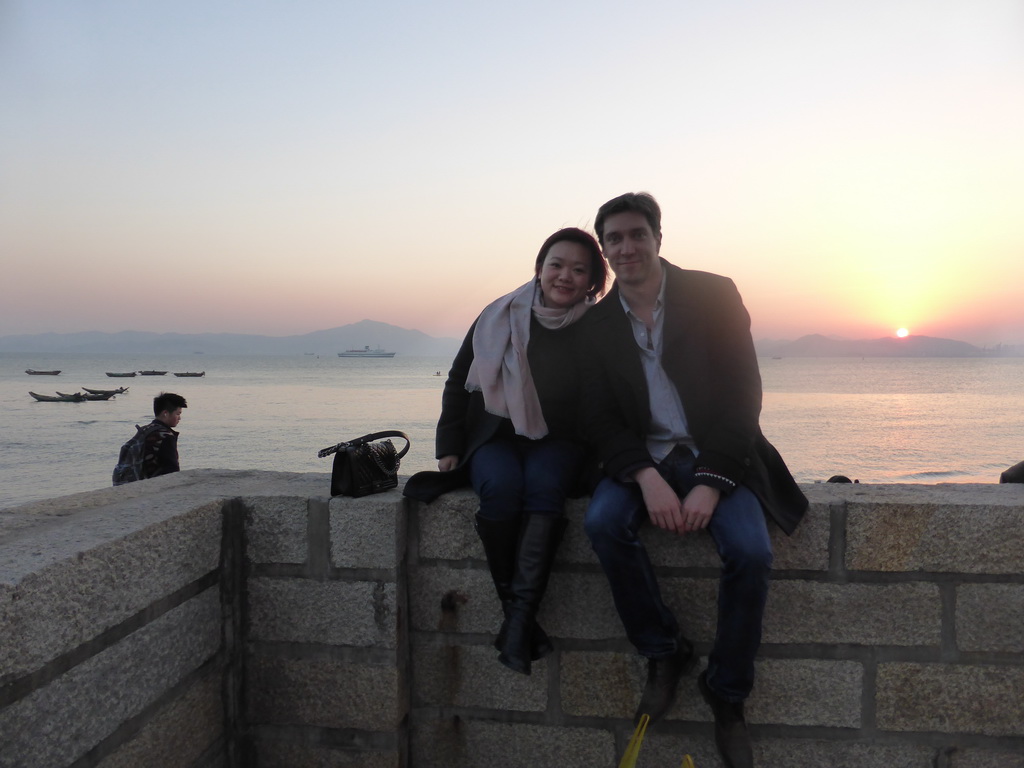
515, 477
740, 533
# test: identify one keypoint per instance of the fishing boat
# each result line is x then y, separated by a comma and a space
366, 352
76, 398
121, 375
193, 374
118, 391
76, 395
33, 372
152, 373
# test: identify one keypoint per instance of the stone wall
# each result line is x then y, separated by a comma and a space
119, 631
894, 636
244, 619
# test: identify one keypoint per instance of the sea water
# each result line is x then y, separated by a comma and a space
918, 420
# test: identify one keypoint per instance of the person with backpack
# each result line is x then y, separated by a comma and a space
153, 451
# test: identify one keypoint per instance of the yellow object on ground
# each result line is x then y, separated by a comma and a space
636, 740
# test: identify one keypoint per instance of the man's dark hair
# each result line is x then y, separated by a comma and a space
598, 267
168, 401
641, 202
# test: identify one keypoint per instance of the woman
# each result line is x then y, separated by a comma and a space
508, 427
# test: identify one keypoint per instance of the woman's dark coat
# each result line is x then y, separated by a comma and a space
465, 425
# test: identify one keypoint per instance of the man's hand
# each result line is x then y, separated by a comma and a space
663, 505
447, 463
666, 510
698, 507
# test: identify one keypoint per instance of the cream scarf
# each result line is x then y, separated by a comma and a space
500, 367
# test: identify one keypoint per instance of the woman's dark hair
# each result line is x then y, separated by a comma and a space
641, 202
598, 267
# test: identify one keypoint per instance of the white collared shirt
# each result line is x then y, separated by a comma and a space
668, 427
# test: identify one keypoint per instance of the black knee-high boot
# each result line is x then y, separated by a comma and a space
501, 547
538, 543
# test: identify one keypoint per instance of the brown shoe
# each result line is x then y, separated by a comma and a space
663, 681
731, 735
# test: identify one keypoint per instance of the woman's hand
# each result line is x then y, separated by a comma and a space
447, 463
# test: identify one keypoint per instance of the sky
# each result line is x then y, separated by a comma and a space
280, 168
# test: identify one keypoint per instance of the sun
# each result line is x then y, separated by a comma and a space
903, 333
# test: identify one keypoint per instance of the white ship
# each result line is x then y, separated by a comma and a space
366, 352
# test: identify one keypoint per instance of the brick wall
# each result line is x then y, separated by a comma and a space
243, 619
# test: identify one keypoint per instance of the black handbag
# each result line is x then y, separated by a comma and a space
362, 466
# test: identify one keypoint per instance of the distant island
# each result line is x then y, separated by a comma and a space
409, 342
403, 341
816, 345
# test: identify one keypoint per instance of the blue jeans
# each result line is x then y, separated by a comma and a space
740, 533
515, 477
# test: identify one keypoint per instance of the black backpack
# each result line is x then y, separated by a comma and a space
129, 460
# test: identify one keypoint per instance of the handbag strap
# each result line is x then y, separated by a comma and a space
369, 439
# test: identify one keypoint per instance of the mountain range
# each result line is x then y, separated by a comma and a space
415, 343
816, 345
353, 336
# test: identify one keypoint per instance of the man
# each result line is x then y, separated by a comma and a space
161, 452
672, 406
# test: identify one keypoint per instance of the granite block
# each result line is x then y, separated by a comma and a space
360, 613
861, 614
48, 612
842, 753
451, 675
807, 549
601, 684
990, 617
933, 537
276, 530
179, 734
977, 699
284, 754
325, 693
453, 600
974, 757
467, 743
58, 723
663, 750
446, 528
367, 532
808, 692
580, 605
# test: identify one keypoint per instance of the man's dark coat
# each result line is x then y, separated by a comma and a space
709, 355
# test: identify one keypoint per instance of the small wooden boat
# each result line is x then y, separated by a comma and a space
152, 373
76, 398
120, 375
191, 373
86, 397
118, 391
33, 372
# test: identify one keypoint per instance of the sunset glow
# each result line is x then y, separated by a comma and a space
854, 168
903, 333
